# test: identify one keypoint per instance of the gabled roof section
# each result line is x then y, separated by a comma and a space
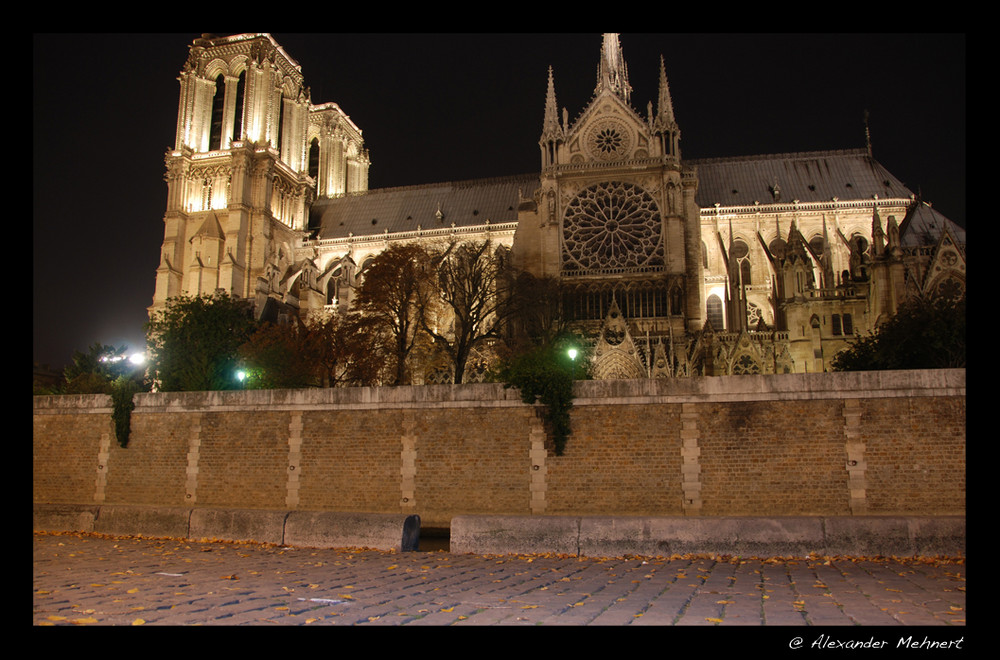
817, 176
426, 207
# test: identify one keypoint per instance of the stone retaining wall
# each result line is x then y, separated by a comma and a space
877, 443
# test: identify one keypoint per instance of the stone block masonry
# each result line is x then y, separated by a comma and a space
852, 444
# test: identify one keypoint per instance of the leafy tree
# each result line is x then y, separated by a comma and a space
325, 351
924, 334
545, 374
345, 350
472, 294
194, 342
95, 371
389, 299
279, 356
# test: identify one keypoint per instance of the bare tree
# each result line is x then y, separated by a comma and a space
471, 298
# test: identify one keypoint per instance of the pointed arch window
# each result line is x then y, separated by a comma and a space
238, 119
741, 253
713, 311
314, 158
281, 122
218, 113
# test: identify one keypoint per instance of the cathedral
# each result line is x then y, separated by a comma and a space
670, 267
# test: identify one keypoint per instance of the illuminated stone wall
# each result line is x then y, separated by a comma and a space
801, 444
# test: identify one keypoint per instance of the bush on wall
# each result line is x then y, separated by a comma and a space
545, 375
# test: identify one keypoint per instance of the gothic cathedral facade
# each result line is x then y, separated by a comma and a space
670, 267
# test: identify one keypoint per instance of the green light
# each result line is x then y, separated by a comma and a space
572, 353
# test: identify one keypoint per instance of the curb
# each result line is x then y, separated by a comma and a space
797, 536
317, 529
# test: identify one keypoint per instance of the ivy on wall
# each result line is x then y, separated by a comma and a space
545, 375
122, 391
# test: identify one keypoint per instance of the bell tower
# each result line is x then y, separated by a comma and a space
250, 156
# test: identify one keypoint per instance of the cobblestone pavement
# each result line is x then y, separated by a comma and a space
82, 579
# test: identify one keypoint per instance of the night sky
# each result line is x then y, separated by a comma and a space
450, 107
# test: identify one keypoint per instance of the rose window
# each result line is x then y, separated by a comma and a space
608, 140
612, 226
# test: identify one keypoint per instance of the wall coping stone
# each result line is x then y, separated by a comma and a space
702, 389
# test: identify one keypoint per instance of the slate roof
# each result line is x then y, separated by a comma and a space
408, 208
816, 176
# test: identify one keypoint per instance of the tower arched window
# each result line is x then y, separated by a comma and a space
218, 111
281, 123
314, 158
238, 119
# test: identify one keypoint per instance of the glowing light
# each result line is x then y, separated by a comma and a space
572, 353
137, 358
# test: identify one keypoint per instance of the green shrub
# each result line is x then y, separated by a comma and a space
545, 375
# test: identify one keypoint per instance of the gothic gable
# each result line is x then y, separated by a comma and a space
946, 273
607, 131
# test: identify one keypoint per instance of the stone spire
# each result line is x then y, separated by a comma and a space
665, 106
612, 73
550, 122
664, 123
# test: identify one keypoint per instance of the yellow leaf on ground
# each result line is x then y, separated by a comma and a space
713, 620
138, 622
